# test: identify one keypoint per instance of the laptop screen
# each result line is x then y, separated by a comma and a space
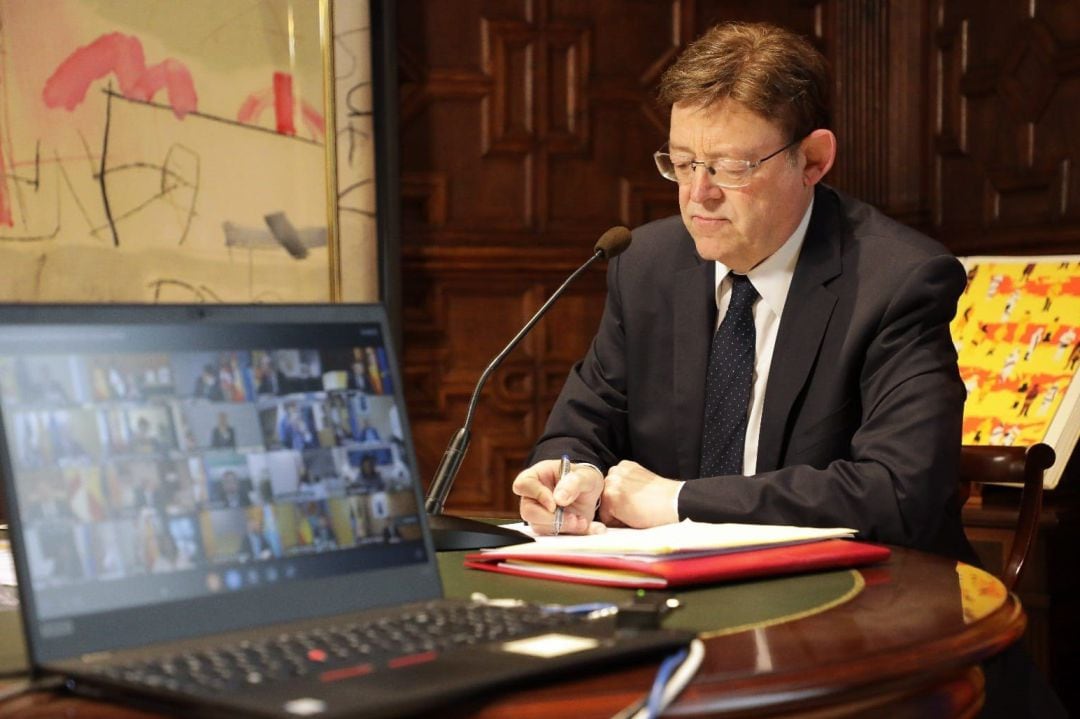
173, 471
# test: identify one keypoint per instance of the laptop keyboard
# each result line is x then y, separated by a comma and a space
341, 652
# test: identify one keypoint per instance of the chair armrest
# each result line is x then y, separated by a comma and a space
1038, 459
1012, 465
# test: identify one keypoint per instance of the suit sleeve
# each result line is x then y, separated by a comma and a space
589, 420
897, 483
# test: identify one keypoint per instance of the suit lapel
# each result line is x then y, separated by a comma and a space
694, 313
807, 310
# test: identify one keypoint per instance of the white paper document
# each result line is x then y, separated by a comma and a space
683, 537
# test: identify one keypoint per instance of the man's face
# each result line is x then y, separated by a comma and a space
739, 227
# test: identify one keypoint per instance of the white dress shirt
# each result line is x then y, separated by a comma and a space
772, 280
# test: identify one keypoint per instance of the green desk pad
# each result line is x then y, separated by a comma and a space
709, 610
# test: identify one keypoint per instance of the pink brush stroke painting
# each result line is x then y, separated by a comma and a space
123, 56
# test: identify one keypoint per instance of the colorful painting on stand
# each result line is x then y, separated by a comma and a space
1017, 332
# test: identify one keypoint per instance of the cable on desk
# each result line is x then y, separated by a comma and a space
669, 688
663, 676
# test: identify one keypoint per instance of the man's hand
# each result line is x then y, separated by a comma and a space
578, 492
635, 497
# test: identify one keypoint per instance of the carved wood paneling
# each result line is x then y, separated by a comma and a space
860, 78
472, 302
879, 73
521, 142
1007, 92
540, 114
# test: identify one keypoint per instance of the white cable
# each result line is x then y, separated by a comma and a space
679, 679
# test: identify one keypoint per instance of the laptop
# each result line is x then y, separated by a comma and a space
216, 509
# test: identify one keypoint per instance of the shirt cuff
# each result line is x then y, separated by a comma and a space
588, 464
676, 500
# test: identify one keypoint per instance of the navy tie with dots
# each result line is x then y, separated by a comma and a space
727, 384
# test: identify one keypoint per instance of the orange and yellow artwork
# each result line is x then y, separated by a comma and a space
1017, 333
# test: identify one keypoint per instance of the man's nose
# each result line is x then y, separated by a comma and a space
702, 186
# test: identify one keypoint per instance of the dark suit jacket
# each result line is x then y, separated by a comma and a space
862, 414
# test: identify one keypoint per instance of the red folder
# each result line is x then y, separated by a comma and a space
634, 572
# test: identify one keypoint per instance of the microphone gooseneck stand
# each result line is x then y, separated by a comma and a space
452, 533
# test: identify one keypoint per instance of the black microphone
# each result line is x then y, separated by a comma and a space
456, 533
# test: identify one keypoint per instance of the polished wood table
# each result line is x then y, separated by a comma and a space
904, 638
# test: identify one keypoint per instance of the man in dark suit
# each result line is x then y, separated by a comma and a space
829, 397
854, 406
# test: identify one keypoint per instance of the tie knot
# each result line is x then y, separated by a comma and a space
743, 293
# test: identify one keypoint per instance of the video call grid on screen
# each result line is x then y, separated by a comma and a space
185, 462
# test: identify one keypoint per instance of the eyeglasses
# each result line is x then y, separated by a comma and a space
724, 171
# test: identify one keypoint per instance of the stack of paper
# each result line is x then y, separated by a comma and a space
681, 554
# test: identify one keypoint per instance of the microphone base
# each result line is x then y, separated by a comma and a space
454, 534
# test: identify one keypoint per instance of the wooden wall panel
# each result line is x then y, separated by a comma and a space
876, 49
1006, 96
520, 145
535, 114
469, 304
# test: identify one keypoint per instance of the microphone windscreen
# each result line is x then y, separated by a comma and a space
612, 242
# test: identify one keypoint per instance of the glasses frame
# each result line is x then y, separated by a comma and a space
750, 166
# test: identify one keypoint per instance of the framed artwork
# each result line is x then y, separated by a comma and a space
196, 151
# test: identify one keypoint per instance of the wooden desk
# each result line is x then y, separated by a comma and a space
906, 635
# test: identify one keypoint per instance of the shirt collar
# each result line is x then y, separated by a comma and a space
772, 276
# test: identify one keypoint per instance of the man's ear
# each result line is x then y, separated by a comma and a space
819, 148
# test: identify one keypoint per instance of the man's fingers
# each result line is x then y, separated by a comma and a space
637, 497
608, 518
582, 484
535, 492
536, 515
542, 521
567, 490
530, 484
572, 524
542, 490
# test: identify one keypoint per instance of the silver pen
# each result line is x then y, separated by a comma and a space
564, 469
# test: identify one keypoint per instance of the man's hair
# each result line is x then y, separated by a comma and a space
773, 72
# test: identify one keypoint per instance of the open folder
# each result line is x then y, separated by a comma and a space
681, 554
